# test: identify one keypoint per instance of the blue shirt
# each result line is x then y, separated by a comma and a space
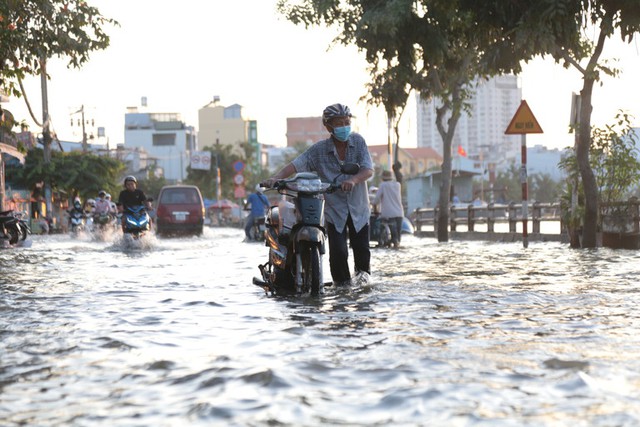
259, 204
322, 158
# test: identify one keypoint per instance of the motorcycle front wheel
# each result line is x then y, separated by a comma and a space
312, 270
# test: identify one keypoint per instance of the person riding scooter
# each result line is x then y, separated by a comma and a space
131, 196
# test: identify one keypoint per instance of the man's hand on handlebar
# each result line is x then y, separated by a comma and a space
347, 185
268, 183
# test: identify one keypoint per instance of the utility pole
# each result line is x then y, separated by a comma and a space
46, 135
85, 147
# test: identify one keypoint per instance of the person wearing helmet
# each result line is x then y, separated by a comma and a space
102, 204
347, 212
130, 196
258, 204
113, 209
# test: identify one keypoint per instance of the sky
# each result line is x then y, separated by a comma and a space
179, 55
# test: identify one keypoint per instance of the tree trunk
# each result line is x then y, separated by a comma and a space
445, 186
590, 221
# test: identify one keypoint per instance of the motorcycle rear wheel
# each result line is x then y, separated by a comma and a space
14, 234
384, 240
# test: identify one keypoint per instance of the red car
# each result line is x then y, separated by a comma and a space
180, 210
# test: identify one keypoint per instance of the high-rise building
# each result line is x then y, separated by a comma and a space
480, 132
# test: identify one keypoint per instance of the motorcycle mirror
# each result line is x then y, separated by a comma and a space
349, 168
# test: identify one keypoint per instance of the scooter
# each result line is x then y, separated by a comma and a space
136, 221
296, 235
76, 222
381, 231
13, 227
258, 229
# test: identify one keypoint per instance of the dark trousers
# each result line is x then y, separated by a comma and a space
395, 224
339, 250
247, 227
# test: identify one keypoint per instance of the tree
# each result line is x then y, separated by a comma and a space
433, 46
35, 30
563, 29
74, 172
613, 158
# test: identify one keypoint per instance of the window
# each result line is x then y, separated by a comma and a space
164, 139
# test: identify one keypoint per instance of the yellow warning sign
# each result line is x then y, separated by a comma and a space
523, 121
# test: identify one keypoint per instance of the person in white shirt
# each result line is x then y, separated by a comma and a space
390, 199
103, 206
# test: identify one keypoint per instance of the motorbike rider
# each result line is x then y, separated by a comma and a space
258, 204
347, 212
390, 199
130, 196
113, 209
76, 210
103, 207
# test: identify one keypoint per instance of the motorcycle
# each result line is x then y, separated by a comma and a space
258, 229
380, 231
296, 235
136, 221
13, 227
76, 222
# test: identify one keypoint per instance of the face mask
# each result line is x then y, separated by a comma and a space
342, 133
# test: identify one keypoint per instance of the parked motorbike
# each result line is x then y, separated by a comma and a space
296, 235
136, 221
13, 227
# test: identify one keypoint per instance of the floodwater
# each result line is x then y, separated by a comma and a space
456, 334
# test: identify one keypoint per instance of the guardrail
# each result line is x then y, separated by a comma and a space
470, 216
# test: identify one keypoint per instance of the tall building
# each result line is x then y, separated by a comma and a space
218, 124
480, 133
165, 137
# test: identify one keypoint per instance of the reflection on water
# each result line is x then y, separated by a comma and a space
173, 333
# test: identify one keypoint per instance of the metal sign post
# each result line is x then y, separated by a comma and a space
522, 123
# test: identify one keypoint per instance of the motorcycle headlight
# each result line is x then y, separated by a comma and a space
308, 185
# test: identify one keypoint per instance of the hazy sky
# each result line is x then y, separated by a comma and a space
181, 54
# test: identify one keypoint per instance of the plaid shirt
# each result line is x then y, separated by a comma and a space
322, 158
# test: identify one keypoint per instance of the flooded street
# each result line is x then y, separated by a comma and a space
455, 334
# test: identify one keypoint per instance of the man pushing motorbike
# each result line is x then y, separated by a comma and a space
347, 212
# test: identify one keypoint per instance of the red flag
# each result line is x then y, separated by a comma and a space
461, 151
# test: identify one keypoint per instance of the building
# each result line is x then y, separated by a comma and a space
481, 131
542, 160
414, 161
423, 191
165, 137
218, 124
305, 130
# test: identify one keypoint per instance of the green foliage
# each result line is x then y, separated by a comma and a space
613, 157
541, 186
32, 30
75, 173
152, 184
